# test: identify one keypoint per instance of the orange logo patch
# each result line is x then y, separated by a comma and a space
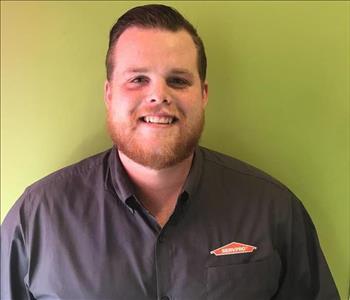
233, 248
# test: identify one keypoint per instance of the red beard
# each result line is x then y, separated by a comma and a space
173, 148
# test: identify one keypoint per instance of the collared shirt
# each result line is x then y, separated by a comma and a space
236, 233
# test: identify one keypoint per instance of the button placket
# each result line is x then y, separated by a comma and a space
162, 265
161, 239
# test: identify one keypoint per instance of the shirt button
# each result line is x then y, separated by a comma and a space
161, 240
165, 298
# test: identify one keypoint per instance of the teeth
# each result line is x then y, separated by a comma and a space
158, 120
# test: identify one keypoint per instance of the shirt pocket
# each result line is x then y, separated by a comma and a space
249, 281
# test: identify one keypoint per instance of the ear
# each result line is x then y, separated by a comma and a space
205, 94
107, 94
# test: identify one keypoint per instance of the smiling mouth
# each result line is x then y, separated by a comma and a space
160, 120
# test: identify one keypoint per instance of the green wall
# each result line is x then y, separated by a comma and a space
279, 91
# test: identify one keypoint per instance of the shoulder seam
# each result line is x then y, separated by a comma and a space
279, 185
69, 170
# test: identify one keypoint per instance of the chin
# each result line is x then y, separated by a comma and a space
157, 158
159, 151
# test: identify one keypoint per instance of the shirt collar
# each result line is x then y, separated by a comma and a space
118, 178
192, 181
120, 182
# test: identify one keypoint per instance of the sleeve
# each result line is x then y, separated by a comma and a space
14, 260
306, 275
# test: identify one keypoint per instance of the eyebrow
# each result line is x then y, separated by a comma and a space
136, 70
182, 72
175, 71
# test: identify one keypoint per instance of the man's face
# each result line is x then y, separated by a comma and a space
155, 100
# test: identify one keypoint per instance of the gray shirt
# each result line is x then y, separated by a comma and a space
236, 233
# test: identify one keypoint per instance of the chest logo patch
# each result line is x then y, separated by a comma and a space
233, 248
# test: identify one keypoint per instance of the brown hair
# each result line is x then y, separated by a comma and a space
155, 16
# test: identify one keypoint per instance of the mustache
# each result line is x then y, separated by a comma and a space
158, 111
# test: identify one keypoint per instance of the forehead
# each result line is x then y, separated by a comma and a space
144, 47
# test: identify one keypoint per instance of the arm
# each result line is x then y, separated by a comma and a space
14, 260
306, 274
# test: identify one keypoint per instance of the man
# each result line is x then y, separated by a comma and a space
157, 216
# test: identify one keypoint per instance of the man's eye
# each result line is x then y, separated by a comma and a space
178, 82
139, 79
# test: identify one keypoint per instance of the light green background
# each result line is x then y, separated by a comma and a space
278, 96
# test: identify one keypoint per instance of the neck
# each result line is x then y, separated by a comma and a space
158, 190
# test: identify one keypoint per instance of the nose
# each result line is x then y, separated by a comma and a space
159, 93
